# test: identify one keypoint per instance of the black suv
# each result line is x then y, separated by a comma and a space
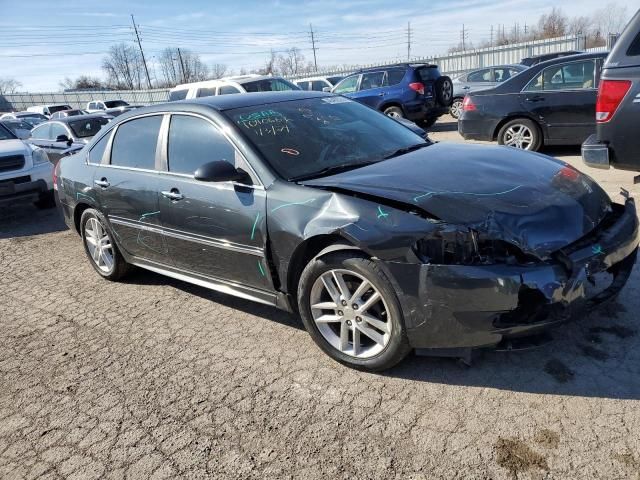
616, 142
417, 92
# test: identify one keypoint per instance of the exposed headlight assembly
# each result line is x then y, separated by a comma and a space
39, 156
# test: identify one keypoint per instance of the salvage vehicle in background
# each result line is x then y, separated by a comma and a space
616, 142
231, 85
318, 84
31, 118
47, 110
109, 107
68, 113
552, 103
381, 241
417, 92
19, 128
535, 60
57, 136
480, 79
25, 172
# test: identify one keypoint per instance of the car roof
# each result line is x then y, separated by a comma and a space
570, 58
240, 79
75, 118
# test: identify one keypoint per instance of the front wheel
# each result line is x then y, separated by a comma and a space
394, 112
521, 133
351, 311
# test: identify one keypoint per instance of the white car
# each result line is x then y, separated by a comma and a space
48, 110
319, 84
25, 172
110, 107
230, 85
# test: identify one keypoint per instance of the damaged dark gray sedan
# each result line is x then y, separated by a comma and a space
382, 241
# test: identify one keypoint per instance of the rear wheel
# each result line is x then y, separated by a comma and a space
521, 133
351, 311
395, 112
456, 108
103, 253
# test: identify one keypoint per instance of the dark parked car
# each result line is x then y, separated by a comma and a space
616, 141
57, 136
31, 118
381, 241
68, 113
552, 103
480, 79
535, 60
417, 92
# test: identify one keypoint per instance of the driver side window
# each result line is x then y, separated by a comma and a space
194, 141
57, 130
348, 85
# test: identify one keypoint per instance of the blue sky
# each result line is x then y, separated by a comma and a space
239, 33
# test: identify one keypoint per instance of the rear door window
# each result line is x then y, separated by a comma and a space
206, 92
480, 76
228, 90
178, 95
97, 152
394, 77
135, 142
372, 80
565, 76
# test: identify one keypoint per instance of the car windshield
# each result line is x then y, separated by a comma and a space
317, 136
116, 104
58, 108
269, 85
88, 127
5, 133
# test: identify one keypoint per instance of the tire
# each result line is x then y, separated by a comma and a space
444, 91
395, 112
521, 133
46, 200
456, 107
382, 339
428, 122
93, 221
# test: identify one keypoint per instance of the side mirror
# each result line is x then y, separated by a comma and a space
219, 171
62, 138
326, 89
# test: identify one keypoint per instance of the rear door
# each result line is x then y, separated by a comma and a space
372, 89
215, 229
562, 97
127, 186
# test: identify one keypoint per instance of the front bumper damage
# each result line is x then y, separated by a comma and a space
461, 307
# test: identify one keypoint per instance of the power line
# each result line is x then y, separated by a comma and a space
144, 61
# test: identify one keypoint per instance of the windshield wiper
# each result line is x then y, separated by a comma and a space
402, 151
331, 170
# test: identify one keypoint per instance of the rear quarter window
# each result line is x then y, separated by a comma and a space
206, 92
634, 48
178, 95
394, 77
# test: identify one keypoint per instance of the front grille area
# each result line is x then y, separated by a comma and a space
17, 180
11, 162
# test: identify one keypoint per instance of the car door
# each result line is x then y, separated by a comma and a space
372, 90
126, 183
215, 229
57, 145
562, 97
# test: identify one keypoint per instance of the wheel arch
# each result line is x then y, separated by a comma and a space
77, 214
391, 103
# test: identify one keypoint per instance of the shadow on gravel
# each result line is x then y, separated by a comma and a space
24, 219
143, 277
443, 127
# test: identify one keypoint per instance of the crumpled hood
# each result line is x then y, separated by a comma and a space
530, 200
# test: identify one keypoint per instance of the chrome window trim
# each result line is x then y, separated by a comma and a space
595, 78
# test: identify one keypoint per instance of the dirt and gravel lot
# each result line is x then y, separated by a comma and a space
154, 378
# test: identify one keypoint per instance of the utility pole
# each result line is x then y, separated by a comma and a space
135, 28
184, 80
313, 46
408, 40
463, 36
491, 37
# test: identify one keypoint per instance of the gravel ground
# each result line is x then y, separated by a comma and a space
154, 378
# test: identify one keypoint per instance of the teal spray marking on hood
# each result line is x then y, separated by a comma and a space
468, 193
292, 204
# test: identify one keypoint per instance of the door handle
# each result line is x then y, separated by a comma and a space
382, 94
102, 183
537, 98
174, 194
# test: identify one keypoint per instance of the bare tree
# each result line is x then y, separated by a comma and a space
181, 66
610, 19
218, 70
9, 85
291, 62
553, 24
269, 65
83, 82
124, 67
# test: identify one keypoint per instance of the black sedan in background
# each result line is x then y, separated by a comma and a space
552, 103
57, 136
383, 242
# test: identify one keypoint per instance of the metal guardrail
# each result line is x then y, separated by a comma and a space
451, 64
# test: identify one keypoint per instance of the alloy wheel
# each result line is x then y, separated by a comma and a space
394, 114
350, 313
519, 136
456, 108
447, 91
99, 244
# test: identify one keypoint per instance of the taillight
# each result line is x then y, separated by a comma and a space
468, 105
55, 175
610, 95
418, 87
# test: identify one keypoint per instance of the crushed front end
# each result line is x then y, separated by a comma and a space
468, 293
